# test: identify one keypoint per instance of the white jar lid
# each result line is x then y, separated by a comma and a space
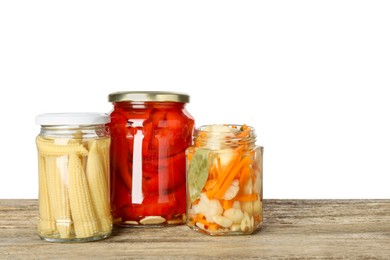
52, 119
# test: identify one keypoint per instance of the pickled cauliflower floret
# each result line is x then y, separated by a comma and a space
236, 205
257, 207
208, 208
232, 191
247, 207
219, 129
246, 223
225, 156
248, 187
222, 221
235, 215
219, 135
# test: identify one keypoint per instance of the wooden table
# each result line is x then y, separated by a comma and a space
293, 229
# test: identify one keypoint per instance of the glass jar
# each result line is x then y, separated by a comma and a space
73, 154
224, 181
150, 132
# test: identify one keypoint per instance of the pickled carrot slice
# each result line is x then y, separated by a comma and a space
219, 166
211, 226
210, 184
247, 197
214, 172
227, 204
244, 177
207, 225
230, 177
211, 193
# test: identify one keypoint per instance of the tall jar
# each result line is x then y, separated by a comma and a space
73, 154
150, 132
224, 181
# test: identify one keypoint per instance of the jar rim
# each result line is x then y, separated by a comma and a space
148, 96
234, 127
215, 136
73, 118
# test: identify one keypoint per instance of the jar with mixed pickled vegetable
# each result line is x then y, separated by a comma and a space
74, 198
224, 180
150, 132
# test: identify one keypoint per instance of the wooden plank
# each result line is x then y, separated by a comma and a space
293, 229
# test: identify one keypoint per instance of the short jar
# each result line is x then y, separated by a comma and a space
73, 161
150, 132
225, 181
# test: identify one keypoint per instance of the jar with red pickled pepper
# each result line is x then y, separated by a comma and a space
150, 132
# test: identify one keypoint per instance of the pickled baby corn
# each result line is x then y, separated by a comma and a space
80, 199
46, 225
98, 184
58, 199
74, 188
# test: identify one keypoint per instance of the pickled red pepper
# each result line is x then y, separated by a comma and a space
148, 162
224, 180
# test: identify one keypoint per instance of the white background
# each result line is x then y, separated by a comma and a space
321, 70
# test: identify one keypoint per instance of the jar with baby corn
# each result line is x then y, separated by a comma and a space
225, 180
73, 161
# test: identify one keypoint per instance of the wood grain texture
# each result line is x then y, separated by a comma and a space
293, 229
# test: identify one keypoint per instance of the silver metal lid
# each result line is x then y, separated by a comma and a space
148, 96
